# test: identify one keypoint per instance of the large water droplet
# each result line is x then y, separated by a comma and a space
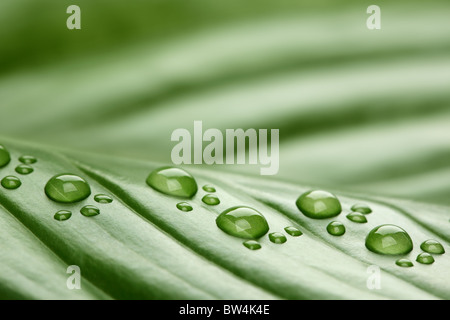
209, 188
293, 231
336, 228
211, 200
363, 208
27, 159
62, 215
90, 211
5, 157
173, 181
252, 245
432, 246
243, 222
11, 182
24, 169
389, 239
425, 258
103, 198
67, 188
277, 237
357, 217
404, 263
184, 206
319, 204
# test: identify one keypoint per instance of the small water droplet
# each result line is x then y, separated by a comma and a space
389, 239
293, 231
62, 215
404, 263
319, 204
67, 188
335, 228
425, 258
209, 188
184, 206
27, 159
252, 244
211, 200
277, 237
90, 211
357, 217
363, 208
173, 182
243, 222
5, 157
103, 198
432, 246
24, 169
11, 182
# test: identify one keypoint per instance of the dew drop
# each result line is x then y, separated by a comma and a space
252, 245
184, 206
27, 159
209, 188
425, 258
211, 200
62, 215
335, 228
363, 208
293, 231
277, 237
243, 222
67, 188
357, 217
432, 246
319, 204
24, 169
5, 157
89, 211
389, 239
11, 182
173, 182
404, 263
103, 198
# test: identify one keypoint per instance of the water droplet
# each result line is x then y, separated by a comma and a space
24, 169
211, 200
5, 157
357, 217
425, 258
103, 198
293, 231
27, 159
62, 215
173, 182
243, 222
11, 182
252, 244
209, 188
404, 263
335, 228
432, 246
90, 211
363, 208
389, 239
67, 188
319, 204
277, 237
184, 206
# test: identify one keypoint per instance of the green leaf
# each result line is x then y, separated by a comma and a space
142, 246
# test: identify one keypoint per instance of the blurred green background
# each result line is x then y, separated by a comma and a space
357, 110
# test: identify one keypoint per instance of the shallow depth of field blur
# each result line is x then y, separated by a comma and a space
358, 110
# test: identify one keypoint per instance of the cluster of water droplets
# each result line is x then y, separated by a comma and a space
11, 182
